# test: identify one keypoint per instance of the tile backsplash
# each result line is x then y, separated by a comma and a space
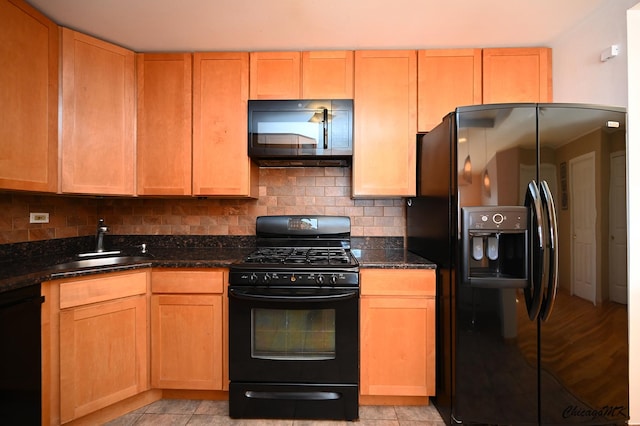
313, 190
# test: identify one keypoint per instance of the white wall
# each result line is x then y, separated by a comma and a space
578, 73
580, 76
633, 135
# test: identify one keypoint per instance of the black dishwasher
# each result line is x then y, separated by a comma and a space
20, 357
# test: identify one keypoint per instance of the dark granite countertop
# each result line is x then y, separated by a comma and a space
394, 258
37, 264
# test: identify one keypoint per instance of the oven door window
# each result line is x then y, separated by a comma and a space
293, 334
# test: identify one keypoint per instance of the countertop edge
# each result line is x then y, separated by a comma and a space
368, 259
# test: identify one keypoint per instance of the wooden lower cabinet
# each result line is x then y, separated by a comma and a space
105, 352
397, 356
188, 329
103, 355
95, 343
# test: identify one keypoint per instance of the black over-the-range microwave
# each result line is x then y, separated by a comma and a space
301, 132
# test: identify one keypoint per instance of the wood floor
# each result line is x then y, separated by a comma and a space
585, 347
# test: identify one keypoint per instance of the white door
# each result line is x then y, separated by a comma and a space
582, 202
618, 229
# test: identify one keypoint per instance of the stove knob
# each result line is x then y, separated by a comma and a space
333, 279
266, 279
319, 279
253, 278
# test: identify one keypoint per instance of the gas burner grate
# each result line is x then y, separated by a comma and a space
299, 256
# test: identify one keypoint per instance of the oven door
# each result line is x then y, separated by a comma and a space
294, 335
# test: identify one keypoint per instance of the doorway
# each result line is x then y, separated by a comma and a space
582, 180
618, 228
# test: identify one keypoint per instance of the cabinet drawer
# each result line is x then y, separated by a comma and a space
187, 281
102, 287
398, 282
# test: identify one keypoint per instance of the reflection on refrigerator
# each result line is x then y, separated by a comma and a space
522, 206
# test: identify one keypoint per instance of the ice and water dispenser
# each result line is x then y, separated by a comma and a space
495, 246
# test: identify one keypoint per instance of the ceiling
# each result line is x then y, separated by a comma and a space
252, 25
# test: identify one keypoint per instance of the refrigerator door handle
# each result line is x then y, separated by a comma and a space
533, 293
552, 284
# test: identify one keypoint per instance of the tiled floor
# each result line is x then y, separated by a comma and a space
192, 412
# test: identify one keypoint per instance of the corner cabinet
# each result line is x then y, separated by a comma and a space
516, 75
385, 123
164, 124
221, 164
98, 116
188, 329
95, 343
28, 99
447, 78
397, 334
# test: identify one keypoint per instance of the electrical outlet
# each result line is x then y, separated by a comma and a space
38, 217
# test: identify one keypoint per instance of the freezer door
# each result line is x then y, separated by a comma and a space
584, 338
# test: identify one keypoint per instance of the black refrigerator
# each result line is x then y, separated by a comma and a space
523, 209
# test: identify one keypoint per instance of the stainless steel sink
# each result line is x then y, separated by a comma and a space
99, 262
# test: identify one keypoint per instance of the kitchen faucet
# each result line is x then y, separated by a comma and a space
102, 229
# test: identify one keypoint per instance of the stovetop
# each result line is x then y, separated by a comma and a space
300, 256
299, 250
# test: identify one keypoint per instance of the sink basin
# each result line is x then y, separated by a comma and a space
99, 262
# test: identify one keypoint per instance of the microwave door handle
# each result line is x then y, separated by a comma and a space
325, 127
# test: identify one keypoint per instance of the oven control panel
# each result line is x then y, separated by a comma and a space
294, 279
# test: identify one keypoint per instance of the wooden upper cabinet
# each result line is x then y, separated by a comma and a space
28, 99
447, 78
385, 123
164, 124
98, 116
275, 75
327, 75
516, 75
221, 165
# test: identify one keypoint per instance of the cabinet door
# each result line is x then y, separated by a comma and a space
397, 306
275, 75
447, 78
327, 75
103, 355
516, 75
164, 124
186, 341
221, 165
98, 116
385, 123
397, 346
28, 99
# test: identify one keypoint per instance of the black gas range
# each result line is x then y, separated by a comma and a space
302, 251
294, 322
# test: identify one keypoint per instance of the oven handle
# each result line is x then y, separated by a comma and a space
306, 396
248, 295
